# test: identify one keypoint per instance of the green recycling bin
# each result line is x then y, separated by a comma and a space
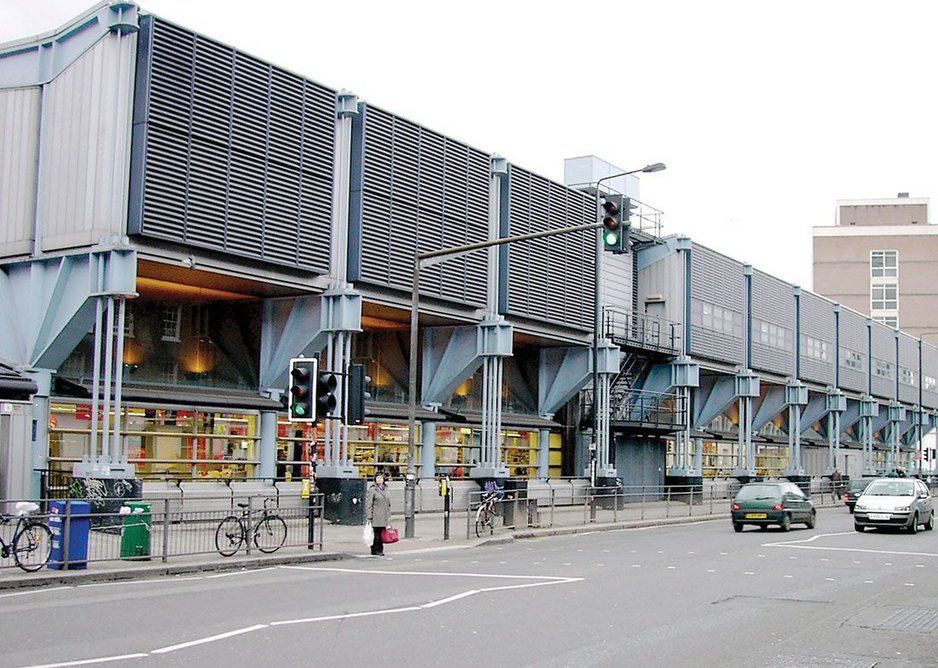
135, 532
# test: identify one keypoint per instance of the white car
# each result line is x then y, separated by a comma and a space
895, 502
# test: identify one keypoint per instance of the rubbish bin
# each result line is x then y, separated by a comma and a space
69, 521
135, 532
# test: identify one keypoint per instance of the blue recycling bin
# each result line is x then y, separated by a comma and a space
79, 526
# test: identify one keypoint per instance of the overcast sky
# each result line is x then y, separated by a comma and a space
765, 113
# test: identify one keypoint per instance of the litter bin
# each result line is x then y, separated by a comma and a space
69, 521
135, 532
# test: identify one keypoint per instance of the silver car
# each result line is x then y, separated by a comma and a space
895, 502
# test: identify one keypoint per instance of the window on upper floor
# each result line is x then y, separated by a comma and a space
884, 264
851, 359
815, 349
884, 297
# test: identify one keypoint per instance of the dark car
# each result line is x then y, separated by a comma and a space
854, 490
895, 502
776, 502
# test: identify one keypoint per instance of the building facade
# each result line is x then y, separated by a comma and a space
180, 219
879, 258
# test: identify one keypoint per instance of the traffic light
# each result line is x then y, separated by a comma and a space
615, 218
327, 401
357, 382
301, 400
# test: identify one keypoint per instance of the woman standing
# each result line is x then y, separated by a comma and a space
378, 511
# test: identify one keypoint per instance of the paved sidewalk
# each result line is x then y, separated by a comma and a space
340, 542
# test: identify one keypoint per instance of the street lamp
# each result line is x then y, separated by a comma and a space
921, 381
597, 303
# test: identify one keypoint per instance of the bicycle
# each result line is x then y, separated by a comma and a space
485, 515
270, 532
31, 546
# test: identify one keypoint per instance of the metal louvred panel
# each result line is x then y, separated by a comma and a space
908, 368
773, 327
239, 154
817, 324
425, 191
718, 284
854, 369
550, 279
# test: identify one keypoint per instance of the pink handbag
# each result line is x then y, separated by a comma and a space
389, 535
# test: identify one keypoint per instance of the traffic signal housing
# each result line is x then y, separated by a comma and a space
301, 400
357, 382
327, 399
615, 218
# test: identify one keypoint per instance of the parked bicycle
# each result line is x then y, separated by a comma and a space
270, 531
31, 545
485, 514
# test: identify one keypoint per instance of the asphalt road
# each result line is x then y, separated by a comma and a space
687, 595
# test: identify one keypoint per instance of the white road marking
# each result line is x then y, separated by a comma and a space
32, 591
798, 545
541, 581
228, 575
202, 641
85, 662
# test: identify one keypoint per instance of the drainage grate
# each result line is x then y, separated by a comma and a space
912, 619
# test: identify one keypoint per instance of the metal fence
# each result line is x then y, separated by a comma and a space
108, 529
547, 508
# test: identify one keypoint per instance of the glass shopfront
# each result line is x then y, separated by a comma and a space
162, 443
202, 443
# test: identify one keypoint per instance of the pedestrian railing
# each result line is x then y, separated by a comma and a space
557, 507
107, 529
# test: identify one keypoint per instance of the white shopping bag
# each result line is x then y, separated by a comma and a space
368, 534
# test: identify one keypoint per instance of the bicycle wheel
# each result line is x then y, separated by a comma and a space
270, 533
32, 546
229, 536
484, 521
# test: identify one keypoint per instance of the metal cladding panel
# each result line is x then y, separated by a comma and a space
19, 140
717, 280
884, 349
854, 336
618, 280
238, 154
421, 192
86, 136
930, 376
773, 327
551, 279
909, 377
817, 322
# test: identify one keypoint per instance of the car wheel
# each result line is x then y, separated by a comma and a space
858, 527
913, 528
812, 521
930, 524
786, 523
737, 526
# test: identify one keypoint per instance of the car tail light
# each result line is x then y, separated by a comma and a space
735, 506
778, 506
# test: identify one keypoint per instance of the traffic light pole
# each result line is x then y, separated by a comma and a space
422, 260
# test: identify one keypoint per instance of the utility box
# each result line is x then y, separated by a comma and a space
70, 522
135, 532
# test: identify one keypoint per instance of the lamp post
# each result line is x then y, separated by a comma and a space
921, 381
597, 311
424, 260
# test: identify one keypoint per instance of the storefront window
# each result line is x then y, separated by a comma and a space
162, 442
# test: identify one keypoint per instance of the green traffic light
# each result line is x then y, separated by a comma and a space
299, 410
611, 238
